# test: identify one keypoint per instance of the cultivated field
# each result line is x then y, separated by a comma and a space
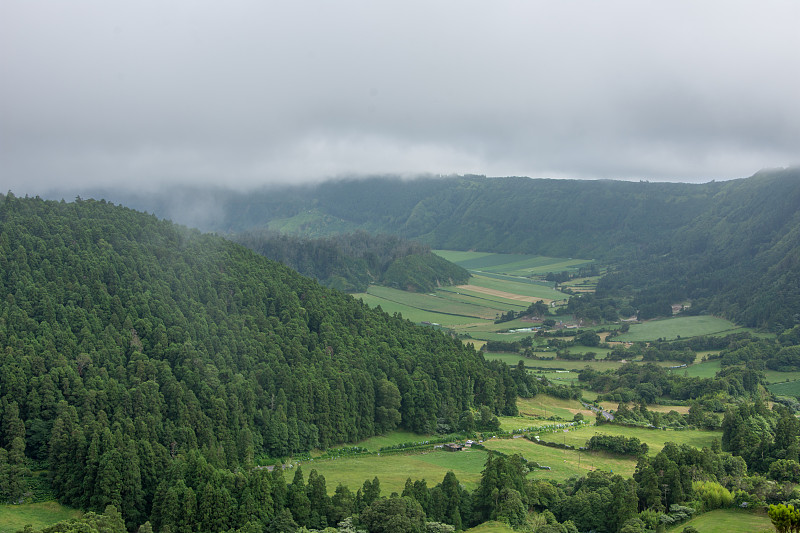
39, 515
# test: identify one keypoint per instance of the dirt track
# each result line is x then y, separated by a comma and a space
501, 294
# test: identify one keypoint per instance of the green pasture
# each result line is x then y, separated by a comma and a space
390, 439
544, 405
773, 376
515, 264
39, 515
433, 303
563, 464
791, 388
683, 327
491, 527
702, 370
393, 469
411, 313
654, 438
728, 521
523, 289
458, 294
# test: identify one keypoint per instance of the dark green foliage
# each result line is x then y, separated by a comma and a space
129, 342
394, 515
351, 262
733, 247
617, 444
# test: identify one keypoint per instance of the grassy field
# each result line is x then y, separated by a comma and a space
672, 328
530, 290
543, 405
491, 527
393, 470
511, 264
654, 438
791, 388
563, 464
39, 515
728, 521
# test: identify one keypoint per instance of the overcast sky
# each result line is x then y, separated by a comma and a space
244, 93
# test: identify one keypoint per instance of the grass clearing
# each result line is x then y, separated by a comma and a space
728, 521
543, 405
683, 327
491, 527
791, 388
654, 438
563, 464
39, 515
393, 469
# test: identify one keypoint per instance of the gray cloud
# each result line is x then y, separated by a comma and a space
244, 93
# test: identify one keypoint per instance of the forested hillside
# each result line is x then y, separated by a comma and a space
733, 248
350, 262
128, 342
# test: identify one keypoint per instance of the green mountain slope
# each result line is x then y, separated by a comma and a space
352, 261
127, 341
732, 246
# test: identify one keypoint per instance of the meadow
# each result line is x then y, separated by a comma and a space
678, 327
393, 469
728, 521
563, 464
522, 265
39, 515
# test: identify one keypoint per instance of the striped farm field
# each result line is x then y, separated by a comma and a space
502, 287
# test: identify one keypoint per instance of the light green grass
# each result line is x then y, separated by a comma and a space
415, 314
543, 405
728, 521
392, 470
395, 437
773, 376
792, 388
513, 287
672, 328
491, 527
487, 300
514, 264
39, 515
433, 303
563, 464
703, 370
654, 438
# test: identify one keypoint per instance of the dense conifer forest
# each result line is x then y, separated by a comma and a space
731, 247
137, 355
155, 371
352, 261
